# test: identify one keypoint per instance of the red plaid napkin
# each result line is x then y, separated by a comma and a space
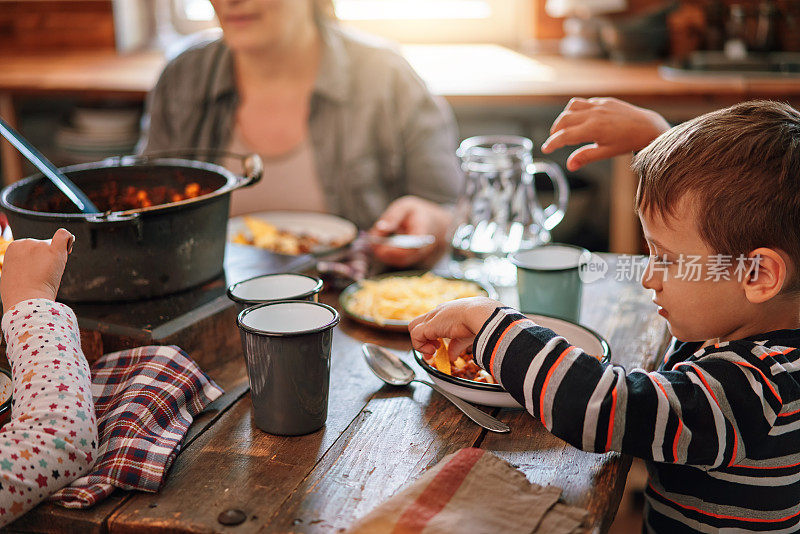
145, 400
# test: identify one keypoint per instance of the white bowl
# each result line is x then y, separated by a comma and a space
493, 394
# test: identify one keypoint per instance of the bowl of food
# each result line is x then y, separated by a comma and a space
462, 377
6, 388
391, 301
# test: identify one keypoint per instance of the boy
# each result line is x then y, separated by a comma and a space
719, 422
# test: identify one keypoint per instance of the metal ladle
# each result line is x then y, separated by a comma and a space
48, 169
395, 372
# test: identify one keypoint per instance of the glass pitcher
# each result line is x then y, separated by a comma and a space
499, 211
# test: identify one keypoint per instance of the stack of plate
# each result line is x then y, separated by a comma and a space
96, 133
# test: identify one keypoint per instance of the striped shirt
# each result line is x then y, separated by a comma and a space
718, 427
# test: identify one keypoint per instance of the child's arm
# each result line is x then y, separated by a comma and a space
52, 436
606, 127
681, 416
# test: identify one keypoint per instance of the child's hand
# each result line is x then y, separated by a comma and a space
32, 268
610, 127
459, 320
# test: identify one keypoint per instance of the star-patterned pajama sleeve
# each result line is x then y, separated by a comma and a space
51, 438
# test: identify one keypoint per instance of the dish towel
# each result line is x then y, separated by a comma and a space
145, 399
473, 491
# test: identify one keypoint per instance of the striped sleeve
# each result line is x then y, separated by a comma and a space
703, 412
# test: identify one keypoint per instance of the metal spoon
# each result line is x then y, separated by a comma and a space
48, 169
406, 241
396, 372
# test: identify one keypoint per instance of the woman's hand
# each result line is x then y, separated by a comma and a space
32, 268
415, 216
459, 320
610, 126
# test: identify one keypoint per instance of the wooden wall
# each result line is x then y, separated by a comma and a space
47, 25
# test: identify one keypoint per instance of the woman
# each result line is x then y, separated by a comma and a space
344, 124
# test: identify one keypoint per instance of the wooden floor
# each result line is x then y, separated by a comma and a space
629, 515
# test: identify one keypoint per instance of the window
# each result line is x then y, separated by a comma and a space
197, 10
441, 21
189, 16
411, 21
412, 9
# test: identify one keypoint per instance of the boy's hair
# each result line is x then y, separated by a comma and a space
742, 167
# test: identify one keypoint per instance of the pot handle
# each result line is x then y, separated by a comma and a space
253, 171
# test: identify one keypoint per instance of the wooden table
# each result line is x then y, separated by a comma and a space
377, 439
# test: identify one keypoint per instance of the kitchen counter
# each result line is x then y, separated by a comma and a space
469, 74
464, 74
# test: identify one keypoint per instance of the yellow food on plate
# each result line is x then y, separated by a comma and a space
401, 298
268, 236
463, 366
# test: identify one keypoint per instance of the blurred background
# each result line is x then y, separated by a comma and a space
74, 73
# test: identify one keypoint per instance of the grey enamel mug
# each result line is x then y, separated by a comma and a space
287, 349
274, 287
549, 281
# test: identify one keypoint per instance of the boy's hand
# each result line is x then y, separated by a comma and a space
32, 268
610, 127
459, 320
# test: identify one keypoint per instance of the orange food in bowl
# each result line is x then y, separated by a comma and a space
459, 366
441, 359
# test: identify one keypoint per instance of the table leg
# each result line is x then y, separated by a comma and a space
624, 233
11, 159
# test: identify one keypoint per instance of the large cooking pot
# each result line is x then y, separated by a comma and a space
137, 253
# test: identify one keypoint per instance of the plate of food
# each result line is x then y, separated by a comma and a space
292, 232
463, 378
390, 301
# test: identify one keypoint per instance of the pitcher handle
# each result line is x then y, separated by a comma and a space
554, 213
